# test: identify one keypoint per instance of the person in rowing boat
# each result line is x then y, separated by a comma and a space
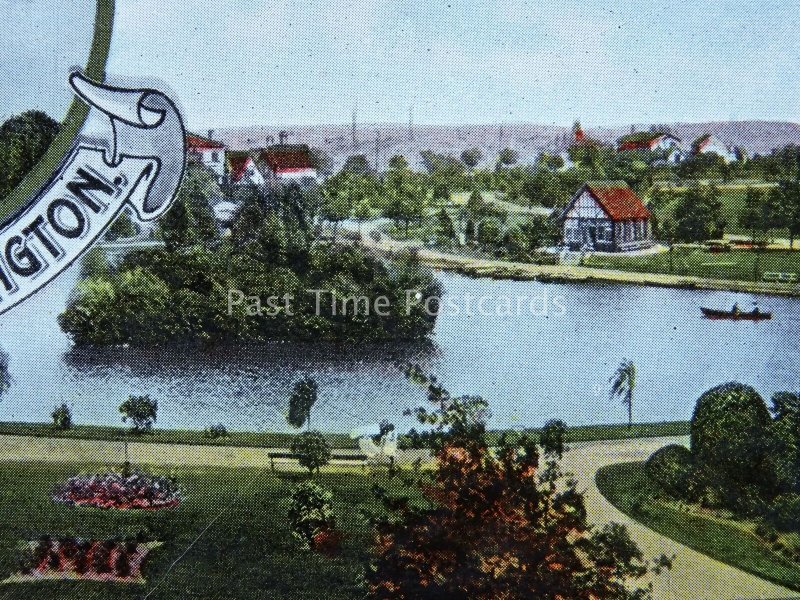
735, 309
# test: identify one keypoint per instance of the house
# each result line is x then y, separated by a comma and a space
285, 164
710, 144
208, 152
243, 170
653, 141
606, 216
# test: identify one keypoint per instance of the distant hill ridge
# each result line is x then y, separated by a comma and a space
527, 139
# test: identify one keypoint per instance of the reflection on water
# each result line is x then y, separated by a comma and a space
528, 365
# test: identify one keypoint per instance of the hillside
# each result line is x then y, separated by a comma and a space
527, 139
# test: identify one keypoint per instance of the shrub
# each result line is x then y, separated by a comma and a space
310, 512
216, 431
671, 469
784, 513
140, 411
304, 395
552, 437
62, 417
730, 440
312, 450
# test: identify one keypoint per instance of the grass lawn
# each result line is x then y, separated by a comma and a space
248, 552
737, 265
628, 488
338, 441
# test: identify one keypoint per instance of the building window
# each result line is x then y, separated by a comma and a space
215, 157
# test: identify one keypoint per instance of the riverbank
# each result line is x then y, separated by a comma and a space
499, 269
520, 271
274, 440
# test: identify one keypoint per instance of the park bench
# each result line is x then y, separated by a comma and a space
780, 277
360, 458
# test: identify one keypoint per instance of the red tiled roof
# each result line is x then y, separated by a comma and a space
701, 142
283, 159
618, 200
197, 142
238, 163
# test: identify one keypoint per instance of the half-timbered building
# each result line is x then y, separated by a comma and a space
606, 216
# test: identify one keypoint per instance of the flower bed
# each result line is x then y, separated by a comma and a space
112, 490
73, 558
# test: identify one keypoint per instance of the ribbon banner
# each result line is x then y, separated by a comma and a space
140, 166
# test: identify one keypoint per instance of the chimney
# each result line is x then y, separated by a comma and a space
211, 134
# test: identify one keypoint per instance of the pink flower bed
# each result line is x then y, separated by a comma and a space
112, 490
72, 558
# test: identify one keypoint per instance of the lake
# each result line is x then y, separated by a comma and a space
535, 351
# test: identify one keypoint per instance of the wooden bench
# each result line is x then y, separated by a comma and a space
362, 458
780, 277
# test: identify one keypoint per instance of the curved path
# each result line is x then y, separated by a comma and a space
694, 576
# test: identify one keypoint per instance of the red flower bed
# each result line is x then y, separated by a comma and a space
112, 490
72, 558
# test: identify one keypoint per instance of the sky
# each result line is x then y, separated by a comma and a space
615, 62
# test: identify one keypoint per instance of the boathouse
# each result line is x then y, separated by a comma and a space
606, 216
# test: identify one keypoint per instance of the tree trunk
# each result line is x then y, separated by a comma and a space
630, 409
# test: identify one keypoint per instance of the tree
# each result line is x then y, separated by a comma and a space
623, 384
444, 226
312, 450
786, 433
310, 512
303, 398
787, 198
552, 438
698, 214
730, 441
508, 156
62, 417
24, 139
190, 221
337, 206
122, 227
406, 205
752, 215
141, 411
494, 524
357, 165
471, 157
476, 206
398, 162
362, 212
488, 232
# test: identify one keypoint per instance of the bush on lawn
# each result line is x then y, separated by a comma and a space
784, 513
311, 512
312, 450
216, 431
671, 469
141, 411
62, 417
731, 442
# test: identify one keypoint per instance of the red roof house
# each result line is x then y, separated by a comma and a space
647, 140
208, 152
289, 162
606, 216
198, 143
